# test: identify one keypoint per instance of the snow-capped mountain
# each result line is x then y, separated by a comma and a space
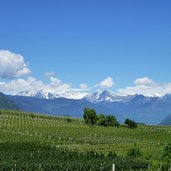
140, 108
104, 96
99, 96
96, 97
42, 94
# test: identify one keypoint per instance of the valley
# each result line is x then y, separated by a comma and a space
142, 109
39, 142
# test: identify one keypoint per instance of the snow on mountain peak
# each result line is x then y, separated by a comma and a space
96, 97
52, 95
104, 96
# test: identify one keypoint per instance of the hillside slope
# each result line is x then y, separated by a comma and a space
6, 103
166, 121
39, 142
149, 110
58, 106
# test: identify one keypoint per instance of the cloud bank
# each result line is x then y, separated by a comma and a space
31, 84
13, 68
12, 65
147, 87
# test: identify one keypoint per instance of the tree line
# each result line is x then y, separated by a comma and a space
92, 118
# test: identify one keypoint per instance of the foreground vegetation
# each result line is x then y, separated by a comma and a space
37, 142
92, 118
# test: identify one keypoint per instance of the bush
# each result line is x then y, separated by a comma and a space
167, 152
112, 155
130, 123
108, 120
111, 121
135, 152
68, 120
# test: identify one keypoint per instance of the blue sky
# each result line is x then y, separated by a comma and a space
89, 41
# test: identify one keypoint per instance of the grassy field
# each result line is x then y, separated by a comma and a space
36, 142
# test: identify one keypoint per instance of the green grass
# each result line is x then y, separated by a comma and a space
27, 128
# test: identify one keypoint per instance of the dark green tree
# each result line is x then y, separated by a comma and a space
130, 123
108, 120
101, 120
89, 116
111, 121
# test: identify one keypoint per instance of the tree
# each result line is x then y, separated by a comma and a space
111, 121
108, 120
89, 116
131, 124
101, 120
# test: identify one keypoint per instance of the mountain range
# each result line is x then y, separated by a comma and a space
6, 103
142, 109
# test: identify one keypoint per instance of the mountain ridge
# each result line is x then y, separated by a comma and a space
143, 109
95, 97
5, 103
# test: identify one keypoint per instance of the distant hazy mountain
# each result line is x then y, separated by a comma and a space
166, 121
149, 110
5, 103
57, 106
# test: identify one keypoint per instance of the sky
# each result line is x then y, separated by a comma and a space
73, 45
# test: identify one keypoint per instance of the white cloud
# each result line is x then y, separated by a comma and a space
147, 87
57, 86
50, 74
12, 65
144, 81
106, 83
18, 85
31, 84
84, 86
55, 82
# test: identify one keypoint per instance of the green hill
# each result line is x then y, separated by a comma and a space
37, 142
5, 103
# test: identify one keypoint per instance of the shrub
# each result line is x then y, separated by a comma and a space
130, 123
68, 120
135, 152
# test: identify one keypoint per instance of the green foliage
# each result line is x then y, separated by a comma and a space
89, 116
101, 120
68, 120
33, 156
108, 120
167, 151
130, 123
135, 152
111, 121
37, 142
112, 154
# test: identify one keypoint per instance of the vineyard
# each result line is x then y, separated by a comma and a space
38, 142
